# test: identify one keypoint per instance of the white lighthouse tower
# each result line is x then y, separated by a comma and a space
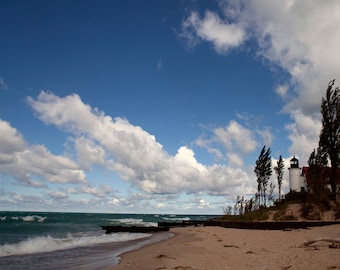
294, 175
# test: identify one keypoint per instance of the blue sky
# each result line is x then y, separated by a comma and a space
156, 106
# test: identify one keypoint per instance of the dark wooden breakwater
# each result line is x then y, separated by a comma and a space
264, 225
134, 229
271, 225
257, 225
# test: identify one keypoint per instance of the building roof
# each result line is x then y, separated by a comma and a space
294, 159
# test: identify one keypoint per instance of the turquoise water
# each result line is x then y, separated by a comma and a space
44, 240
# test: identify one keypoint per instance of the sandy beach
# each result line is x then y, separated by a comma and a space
222, 248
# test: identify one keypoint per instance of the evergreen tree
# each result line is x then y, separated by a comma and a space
279, 169
263, 171
317, 163
330, 133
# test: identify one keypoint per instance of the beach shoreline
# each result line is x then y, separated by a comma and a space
225, 248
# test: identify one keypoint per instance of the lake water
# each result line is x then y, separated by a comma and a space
48, 240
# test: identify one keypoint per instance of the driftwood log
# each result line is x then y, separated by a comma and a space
335, 242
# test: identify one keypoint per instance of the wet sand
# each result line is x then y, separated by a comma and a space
222, 248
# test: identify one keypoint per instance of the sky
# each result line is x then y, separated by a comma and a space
157, 106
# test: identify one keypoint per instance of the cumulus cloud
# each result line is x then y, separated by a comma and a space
134, 153
222, 35
233, 142
187, 156
32, 163
11, 141
266, 135
303, 131
236, 136
282, 90
88, 152
103, 191
235, 160
57, 195
300, 37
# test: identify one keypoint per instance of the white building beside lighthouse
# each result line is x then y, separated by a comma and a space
296, 179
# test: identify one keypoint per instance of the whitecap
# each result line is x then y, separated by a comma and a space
177, 218
133, 222
33, 218
48, 243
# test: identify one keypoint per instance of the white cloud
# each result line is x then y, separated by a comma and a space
11, 141
235, 136
266, 135
37, 160
282, 90
301, 37
303, 131
201, 203
229, 181
235, 141
58, 195
223, 36
88, 152
207, 144
235, 160
187, 157
29, 163
135, 154
103, 191
115, 201
26, 199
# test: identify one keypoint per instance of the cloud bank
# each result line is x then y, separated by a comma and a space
98, 141
133, 153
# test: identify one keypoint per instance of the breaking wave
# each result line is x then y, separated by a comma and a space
133, 222
48, 243
177, 218
29, 218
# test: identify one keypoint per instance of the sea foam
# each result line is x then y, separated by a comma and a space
177, 218
48, 243
33, 218
29, 218
132, 222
